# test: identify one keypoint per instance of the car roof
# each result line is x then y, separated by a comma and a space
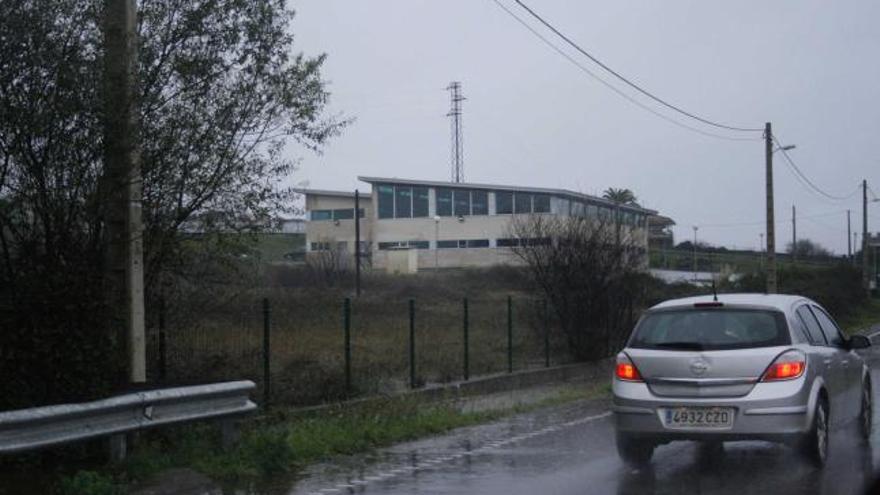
781, 302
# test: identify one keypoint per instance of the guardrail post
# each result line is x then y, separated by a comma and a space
465, 325
229, 434
346, 323
266, 355
163, 357
546, 318
412, 343
117, 447
509, 334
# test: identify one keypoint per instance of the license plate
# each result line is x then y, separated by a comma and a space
698, 417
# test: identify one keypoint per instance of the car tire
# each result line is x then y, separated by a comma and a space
866, 414
814, 445
634, 452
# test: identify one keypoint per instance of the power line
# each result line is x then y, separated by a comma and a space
806, 180
608, 85
763, 222
627, 81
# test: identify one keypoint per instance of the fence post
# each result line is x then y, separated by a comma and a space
465, 327
346, 318
163, 351
509, 334
266, 351
546, 315
412, 343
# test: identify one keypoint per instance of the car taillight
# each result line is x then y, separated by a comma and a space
788, 366
626, 370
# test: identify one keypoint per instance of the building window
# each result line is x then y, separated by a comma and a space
503, 203
513, 242
343, 214
522, 203
318, 215
444, 202
320, 246
479, 203
386, 201
541, 203
404, 244
463, 243
462, 202
402, 202
420, 202
507, 242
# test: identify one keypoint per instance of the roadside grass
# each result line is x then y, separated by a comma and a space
862, 317
288, 440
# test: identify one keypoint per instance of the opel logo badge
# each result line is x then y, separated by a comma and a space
699, 367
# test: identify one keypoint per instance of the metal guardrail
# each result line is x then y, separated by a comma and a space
40, 427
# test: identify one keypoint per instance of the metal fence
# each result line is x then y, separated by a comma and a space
300, 354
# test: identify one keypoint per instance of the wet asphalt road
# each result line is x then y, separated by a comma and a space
570, 450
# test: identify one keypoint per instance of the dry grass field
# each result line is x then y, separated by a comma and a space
224, 339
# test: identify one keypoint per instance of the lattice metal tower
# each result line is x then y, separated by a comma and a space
455, 119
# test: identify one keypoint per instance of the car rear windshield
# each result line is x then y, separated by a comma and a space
710, 329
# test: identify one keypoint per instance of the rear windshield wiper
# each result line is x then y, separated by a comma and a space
695, 346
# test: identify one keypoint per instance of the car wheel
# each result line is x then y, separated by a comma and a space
866, 416
814, 445
634, 452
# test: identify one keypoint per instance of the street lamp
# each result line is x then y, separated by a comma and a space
788, 147
695, 252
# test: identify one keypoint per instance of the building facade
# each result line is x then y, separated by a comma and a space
411, 224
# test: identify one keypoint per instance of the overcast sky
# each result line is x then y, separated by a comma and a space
532, 118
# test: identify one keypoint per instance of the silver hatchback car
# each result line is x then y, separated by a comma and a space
739, 367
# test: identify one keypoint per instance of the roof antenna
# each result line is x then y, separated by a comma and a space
714, 291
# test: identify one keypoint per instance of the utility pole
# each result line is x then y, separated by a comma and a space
456, 98
357, 242
793, 235
771, 232
849, 246
695, 252
865, 279
122, 182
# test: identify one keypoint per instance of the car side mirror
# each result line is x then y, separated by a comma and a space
858, 342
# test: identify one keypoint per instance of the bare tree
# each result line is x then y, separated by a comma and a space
330, 265
589, 268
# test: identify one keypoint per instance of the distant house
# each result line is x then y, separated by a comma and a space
660, 232
444, 224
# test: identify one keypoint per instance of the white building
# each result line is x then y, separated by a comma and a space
408, 225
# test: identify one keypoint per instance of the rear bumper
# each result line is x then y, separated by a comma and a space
771, 411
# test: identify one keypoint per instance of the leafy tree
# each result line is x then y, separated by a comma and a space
620, 196
224, 100
805, 248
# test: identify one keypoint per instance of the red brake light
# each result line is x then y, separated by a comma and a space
627, 371
786, 367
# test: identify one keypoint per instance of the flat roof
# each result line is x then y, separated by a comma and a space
327, 192
498, 187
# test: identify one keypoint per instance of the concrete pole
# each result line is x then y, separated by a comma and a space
865, 238
122, 183
793, 234
849, 246
771, 227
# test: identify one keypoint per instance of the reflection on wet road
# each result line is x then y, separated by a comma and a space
570, 450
